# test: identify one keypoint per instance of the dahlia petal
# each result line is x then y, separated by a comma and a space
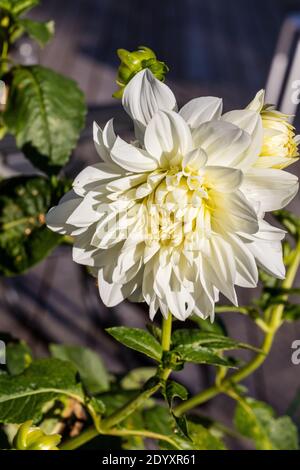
98, 173
180, 303
243, 118
274, 162
84, 256
104, 139
273, 188
234, 213
269, 232
258, 102
246, 269
85, 213
136, 296
111, 293
223, 179
127, 182
195, 159
200, 110
128, 264
132, 158
221, 267
250, 121
144, 96
57, 216
223, 142
204, 306
153, 307
269, 257
167, 133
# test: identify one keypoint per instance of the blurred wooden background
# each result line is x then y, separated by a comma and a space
213, 47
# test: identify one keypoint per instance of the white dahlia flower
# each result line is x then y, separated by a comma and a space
280, 143
177, 216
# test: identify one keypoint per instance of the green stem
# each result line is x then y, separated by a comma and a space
126, 410
243, 311
231, 308
4, 53
273, 325
91, 433
67, 240
143, 433
166, 342
166, 333
80, 440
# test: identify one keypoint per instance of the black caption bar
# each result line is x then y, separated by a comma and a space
141, 459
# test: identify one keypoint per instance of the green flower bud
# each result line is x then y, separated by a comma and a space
134, 62
5, 21
31, 437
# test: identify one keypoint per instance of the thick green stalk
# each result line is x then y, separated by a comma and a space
166, 341
166, 333
273, 326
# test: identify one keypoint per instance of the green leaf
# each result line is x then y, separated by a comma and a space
202, 355
134, 421
137, 378
92, 371
200, 439
175, 390
24, 238
97, 404
45, 113
18, 357
137, 339
18, 7
212, 341
256, 420
96, 409
204, 347
154, 330
40, 32
24, 396
158, 419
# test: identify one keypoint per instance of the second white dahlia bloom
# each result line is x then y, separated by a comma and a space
177, 216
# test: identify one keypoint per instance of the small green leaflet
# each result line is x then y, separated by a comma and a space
137, 339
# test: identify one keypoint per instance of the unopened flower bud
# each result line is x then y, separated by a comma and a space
31, 437
134, 62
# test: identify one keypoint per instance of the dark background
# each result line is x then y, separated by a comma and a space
215, 47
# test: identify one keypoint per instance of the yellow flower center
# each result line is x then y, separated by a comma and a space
179, 210
279, 135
